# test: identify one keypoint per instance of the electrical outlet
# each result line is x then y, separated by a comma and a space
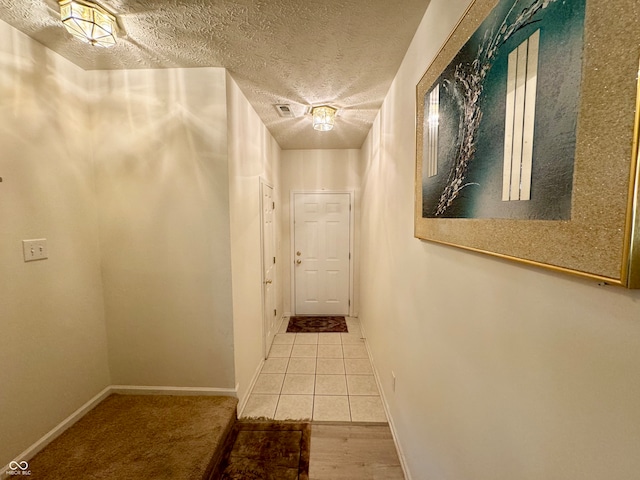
35, 249
393, 381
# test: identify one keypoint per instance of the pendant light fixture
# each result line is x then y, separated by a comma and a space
88, 22
323, 117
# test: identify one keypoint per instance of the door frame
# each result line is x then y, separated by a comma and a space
292, 256
265, 347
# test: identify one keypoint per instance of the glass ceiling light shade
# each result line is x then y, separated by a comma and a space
323, 118
89, 22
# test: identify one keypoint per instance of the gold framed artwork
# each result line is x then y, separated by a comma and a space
527, 130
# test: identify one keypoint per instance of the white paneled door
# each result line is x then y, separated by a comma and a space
321, 253
268, 266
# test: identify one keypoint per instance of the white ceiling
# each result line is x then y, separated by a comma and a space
300, 52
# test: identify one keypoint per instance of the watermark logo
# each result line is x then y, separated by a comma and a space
19, 468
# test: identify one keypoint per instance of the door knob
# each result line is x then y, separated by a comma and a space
298, 262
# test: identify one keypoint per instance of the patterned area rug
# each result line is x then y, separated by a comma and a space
317, 325
266, 450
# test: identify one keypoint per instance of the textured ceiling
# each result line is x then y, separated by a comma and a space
299, 52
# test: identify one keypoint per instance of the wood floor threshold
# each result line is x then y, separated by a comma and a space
353, 451
347, 424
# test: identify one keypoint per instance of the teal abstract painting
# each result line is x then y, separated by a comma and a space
499, 130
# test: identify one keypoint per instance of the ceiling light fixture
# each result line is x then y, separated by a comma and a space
323, 117
89, 22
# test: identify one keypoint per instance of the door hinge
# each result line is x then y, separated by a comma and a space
274, 205
349, 255
274, 312
349, 302
274, 259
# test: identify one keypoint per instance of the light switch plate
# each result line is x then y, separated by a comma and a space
35, 249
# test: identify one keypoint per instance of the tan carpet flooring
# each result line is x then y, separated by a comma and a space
141, 437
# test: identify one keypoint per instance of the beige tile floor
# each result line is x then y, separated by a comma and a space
319, 376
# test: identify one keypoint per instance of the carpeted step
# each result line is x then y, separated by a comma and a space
142, 437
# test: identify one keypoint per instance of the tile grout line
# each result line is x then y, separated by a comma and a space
345, 381
313, 397
315, 382
282, 386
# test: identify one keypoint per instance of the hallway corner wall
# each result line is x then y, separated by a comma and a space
53, 347
502, 371
162, 182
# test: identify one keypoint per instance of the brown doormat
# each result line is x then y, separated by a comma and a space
266, 450
317, 324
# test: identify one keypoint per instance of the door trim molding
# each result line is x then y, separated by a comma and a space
352, 253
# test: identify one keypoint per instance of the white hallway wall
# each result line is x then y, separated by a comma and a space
317, 170
253, 155
53, 344
504, 372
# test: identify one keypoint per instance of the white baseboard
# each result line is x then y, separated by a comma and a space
243, 401
181, 391
58, 430
284, 315
387, 410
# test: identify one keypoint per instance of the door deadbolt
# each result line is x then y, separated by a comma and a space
298, 253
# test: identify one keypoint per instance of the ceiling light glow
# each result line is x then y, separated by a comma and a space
88, 22
323, 118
